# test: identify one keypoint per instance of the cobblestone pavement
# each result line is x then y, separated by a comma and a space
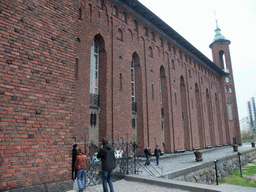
128, 186
171, 163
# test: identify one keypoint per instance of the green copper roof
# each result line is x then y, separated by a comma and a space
218, 35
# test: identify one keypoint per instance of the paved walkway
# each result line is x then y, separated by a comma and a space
174, 163
181, 161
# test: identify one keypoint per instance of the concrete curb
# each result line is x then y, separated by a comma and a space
194, 187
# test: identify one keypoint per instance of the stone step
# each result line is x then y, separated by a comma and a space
75, 187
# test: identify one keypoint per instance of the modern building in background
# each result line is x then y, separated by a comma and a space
245, 123
76, 71
251, 112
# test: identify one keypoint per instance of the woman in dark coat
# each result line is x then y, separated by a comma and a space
74, 154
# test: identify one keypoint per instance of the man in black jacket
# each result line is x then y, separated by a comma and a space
147, 153
107, 156
74, 154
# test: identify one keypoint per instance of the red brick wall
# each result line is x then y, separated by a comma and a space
43, 106
117, 113
37, 57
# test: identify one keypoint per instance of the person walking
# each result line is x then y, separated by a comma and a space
107, 157
147, 153
80, 167
157, 154
74, 154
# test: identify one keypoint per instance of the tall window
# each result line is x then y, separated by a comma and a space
124, 17
153, 36
230, 112
169, 46
120, 34
146, 31
153, 95
121, 82
173, 64
223, 59
80, 13
150, 51
76, 69
161, 42
115, 12
133, 81
94, 74
174, 50
135, 25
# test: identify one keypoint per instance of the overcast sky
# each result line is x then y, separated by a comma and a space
195, 21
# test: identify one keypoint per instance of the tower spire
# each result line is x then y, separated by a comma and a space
218, 35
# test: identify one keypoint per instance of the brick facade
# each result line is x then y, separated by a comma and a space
45, 83
38, 44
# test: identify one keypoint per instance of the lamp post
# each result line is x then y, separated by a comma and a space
215, 162
240, 163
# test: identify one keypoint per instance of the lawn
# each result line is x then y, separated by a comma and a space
248, 179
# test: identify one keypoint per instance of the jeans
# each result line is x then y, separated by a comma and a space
81, 178
107, 180
157, 160
148, 160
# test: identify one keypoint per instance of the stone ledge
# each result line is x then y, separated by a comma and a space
48, 187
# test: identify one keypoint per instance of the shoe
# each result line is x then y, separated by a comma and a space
81, 190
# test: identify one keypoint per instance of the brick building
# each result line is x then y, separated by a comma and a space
72, 69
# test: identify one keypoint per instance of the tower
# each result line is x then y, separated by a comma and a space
221, 57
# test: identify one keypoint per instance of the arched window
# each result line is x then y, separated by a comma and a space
133, 80
169, 46
120, 34
230, 112
135, 23
124, 17
115, 11
161, 42
80, 13
153, 36
174, 50
94, 71
173, 64
230, 90
223, 61
189, 73
150, 51
100, 3
121, 82
153, 97
226, 79
146, 31
76, 69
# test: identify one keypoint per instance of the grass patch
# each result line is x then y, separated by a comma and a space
234, 178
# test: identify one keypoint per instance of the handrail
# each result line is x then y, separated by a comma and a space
146, 169
155, 169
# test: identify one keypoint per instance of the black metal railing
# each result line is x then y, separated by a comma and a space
94, 100
134, 107
162, 111
126, 153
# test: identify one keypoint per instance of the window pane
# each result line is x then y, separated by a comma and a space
230, 112
95, 46
133, 123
